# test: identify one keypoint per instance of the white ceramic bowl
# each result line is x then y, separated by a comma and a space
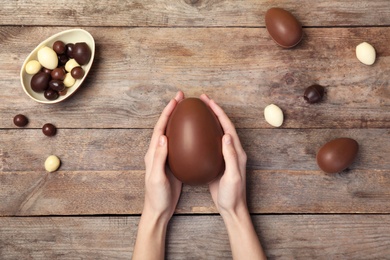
68, 36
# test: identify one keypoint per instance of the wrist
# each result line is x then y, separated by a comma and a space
154, 218
239, 218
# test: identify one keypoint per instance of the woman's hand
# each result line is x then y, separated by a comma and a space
229, 190
162, 189
162, 192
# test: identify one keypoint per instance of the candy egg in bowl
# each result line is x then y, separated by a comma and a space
57, 67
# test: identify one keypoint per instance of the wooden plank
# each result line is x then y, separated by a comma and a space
137, 71
124, 149
117, 192
197, 237
190, 13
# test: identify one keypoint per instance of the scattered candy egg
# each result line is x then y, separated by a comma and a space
314, 93
273, 115
52, 163
336, 155
194, 143
49, 129
283, 27
48, 58
20, 120
33, 67
365, 53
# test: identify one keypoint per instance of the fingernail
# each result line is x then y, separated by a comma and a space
161, 141
227, 139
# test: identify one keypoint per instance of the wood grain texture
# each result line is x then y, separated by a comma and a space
190, 13
138, 70
197, 237
124, 149
90, 193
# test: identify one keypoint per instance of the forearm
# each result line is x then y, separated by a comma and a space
150, 243
243, 239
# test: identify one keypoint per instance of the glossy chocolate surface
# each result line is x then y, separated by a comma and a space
314, 93
337, 155
20, 120
49, 130
283, 27
40, 81
82, 53
77, 72
194, 143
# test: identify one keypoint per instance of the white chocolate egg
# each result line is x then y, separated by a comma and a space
70, 64
33, 67
52, 163
365, 53
69, 80
273, 115
48, 58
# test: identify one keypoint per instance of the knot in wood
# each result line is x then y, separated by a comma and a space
193, 2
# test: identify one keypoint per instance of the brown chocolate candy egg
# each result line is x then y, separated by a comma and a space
77, 72
314, 93
194, 143
82, 53
283, 27
20, 120
49, 129
40, 81
57, 85
336, 155
59, 47
50, 94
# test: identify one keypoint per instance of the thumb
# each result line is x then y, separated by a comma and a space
230, 155
160, 155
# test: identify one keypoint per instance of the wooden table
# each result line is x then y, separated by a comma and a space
148, 50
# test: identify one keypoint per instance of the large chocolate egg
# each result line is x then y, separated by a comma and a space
40, 81
283, 27
336, 155
81, 53
194, 143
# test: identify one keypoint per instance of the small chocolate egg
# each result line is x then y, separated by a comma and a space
57, 85
77, 72
283, 27
49, 129
40, 81
51, 94
58, 73
194, 143
59, 47
314, 93
20, 120
69, 50
82, 53
336, 155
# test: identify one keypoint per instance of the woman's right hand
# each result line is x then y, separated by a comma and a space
229, 190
